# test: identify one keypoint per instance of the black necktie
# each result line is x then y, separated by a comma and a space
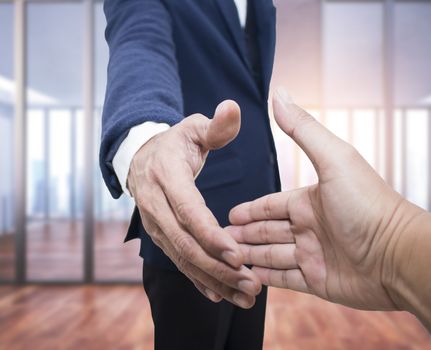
250, 34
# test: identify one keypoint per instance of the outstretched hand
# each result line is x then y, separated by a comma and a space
174, 213
333, 239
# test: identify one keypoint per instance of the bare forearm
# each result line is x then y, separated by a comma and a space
410, 277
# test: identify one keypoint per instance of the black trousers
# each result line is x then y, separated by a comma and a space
184, 319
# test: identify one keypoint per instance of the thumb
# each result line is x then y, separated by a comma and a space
224, 126
321, 146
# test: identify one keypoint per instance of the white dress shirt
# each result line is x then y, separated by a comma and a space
140, 134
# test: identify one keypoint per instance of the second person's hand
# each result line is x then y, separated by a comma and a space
336, 239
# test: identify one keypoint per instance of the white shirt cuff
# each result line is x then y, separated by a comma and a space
137, 137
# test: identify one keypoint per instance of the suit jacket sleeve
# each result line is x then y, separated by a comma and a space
143, 82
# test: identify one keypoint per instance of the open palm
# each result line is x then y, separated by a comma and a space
322, 239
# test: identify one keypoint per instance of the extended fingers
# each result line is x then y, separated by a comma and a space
291, 279
241, 279
185, 250
275, 256
193, 215
263, 232
210, 294
188, 250
270, 207
214, 289
233, 286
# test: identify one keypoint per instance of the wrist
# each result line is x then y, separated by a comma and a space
406, 263
138, 136
142, 162
135, 166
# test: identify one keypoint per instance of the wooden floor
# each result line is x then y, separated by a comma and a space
55, 252
118, 317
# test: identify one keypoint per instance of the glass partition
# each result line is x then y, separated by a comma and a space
413, 97
329, 54
297, 66
297, 63
54, 116
7, 96
353, 53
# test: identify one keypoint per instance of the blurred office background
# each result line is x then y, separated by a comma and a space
363, 68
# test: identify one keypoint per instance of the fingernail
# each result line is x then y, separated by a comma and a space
247, 287
230, 257
212, 296
241, 300
284, 95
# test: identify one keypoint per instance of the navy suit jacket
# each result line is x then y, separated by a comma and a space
169, 59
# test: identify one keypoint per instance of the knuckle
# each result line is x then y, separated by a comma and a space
267, 256
284, 278
264, 232
267, 207
246, 252
210, 240
184, 245
289, 203
181, 263
286, 231
184, 213
218, 287
220, 272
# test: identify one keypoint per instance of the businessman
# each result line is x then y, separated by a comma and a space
172, 139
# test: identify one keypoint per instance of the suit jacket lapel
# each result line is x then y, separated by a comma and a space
228, 11
265, 17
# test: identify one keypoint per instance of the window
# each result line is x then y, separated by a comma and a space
413, 98
54, 210
329, 55
7, 96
